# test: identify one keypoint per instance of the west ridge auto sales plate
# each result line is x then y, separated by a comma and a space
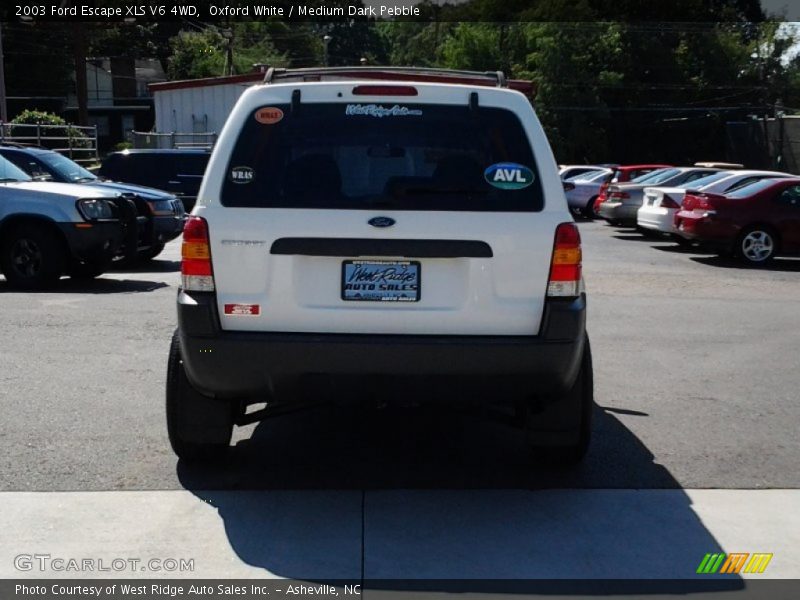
381, 280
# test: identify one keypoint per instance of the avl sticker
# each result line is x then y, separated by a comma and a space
509, 176
269, 115
242, 175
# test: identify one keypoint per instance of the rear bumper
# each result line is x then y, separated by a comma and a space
231, 364
696, 227
656, 220
616, 211
167, 228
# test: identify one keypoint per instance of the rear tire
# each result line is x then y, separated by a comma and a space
579, 398
88, 270
588, 210
151, 252
199, 427
32, 257
757, 245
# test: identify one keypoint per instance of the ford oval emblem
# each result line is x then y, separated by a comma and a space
381, 221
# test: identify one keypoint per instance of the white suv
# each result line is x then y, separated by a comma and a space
374, 234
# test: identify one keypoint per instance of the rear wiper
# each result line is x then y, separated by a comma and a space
7, 179
85, 179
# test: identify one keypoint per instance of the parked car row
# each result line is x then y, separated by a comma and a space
57, 218
750, 214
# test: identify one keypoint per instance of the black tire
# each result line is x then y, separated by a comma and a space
32, 257
682, 241
588, 210
757, 245
199, 427
151, 252
88, 270
579, 398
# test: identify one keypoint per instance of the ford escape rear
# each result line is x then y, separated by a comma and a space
353, 235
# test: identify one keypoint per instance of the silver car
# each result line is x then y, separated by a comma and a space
624, 200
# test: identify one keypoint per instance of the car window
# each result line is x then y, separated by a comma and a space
68, 170
789, 197
360, 156
11, 172
705, 180
191, 165
748, 190
587, 177
694, 176
658, 176
30, 165
653, 176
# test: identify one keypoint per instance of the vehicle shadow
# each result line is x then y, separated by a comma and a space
151, 266
101, 285
439, 500
787, 265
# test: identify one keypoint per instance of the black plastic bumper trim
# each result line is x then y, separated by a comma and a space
349, 247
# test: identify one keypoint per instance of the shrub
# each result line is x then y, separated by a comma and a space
38, 117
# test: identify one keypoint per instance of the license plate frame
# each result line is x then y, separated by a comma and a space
381, 269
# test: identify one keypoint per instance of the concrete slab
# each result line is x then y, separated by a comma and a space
575, 533
227, 534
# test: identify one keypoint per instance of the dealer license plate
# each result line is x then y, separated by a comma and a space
381, 280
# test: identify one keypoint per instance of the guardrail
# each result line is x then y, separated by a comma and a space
77, 142
173, 139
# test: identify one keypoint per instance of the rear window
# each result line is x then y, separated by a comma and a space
748, 190
365, 155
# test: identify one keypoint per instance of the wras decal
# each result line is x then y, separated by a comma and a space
242, 175
509, 176
269, 115
380, 111
243, 310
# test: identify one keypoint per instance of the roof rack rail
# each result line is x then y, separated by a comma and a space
498, 78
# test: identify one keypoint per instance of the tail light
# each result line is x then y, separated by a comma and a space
705, 204
568, 187
565, 266
668, 202
196, 272
384, 90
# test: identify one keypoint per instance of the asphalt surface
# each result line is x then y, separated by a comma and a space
696, 380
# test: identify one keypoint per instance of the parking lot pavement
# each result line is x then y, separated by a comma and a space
696, 384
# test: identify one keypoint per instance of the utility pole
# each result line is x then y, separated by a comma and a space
227, 35
79, 55
3, 108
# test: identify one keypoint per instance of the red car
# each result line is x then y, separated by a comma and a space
755, 222
622, 175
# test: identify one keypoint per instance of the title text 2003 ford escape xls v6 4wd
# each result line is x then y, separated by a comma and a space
374, 233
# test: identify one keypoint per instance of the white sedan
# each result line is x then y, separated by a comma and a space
661, 203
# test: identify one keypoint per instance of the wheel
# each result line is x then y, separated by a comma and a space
681, 241
151, 252
588, 210
757, 245
576, 406
199, 427
32, 257
87, 270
